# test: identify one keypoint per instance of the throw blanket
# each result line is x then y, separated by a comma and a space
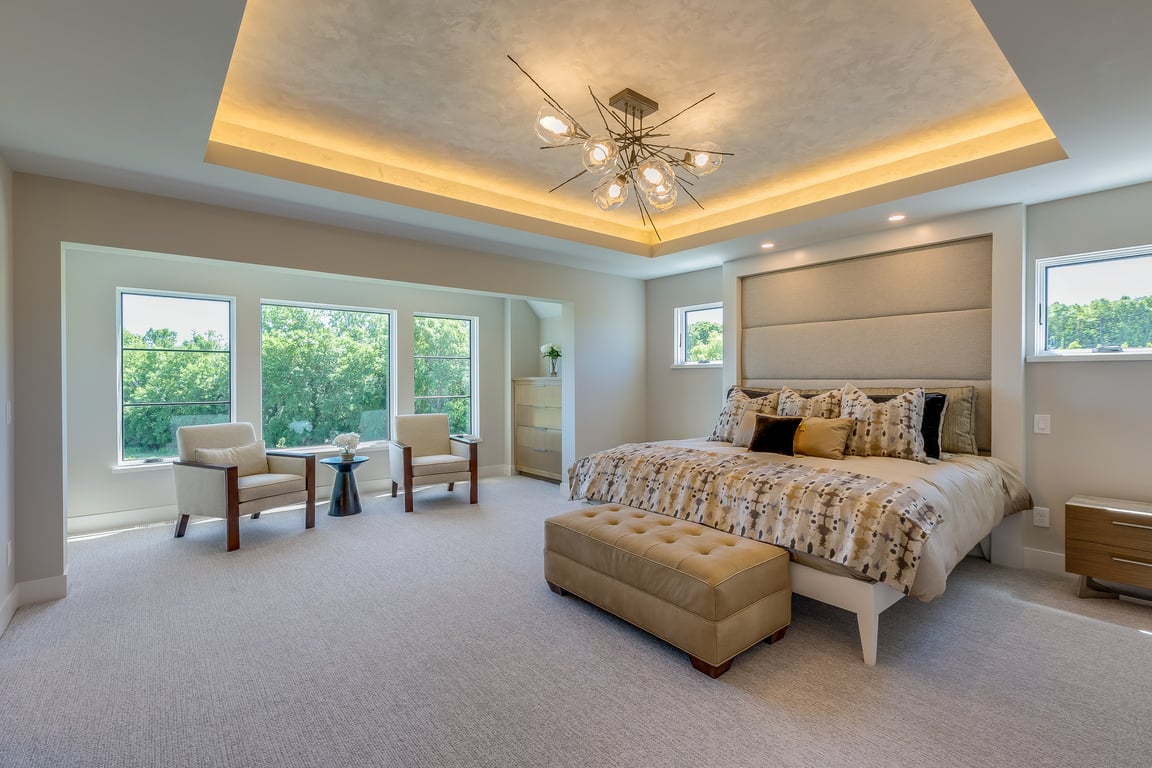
875, 527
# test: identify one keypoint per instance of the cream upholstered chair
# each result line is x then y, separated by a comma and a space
223, 471
423, 453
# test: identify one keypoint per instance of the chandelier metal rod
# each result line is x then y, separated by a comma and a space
575, 123
566, 181
683, 111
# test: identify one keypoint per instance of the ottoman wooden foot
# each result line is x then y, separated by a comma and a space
776, 636
558, 590
712, 670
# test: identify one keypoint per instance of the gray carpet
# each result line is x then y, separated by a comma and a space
431, 639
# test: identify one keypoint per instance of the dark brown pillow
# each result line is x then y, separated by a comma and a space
774, 434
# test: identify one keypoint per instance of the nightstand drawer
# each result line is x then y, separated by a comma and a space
1101, 561
1109, 521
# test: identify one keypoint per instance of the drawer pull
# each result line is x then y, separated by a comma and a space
1132, 562
1133, 525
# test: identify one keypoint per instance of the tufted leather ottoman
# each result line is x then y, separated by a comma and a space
709, 593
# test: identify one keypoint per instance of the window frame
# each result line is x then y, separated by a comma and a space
121, 462
1040, 353
473, 365
391, 393
680, 335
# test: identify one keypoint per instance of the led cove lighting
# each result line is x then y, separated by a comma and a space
897, 217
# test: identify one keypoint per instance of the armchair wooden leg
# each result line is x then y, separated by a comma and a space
451, 487
181, 526
408, 497
233, 524
473, 472
310, 513
394, 488
255, 515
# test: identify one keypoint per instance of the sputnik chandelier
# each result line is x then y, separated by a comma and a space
626, 152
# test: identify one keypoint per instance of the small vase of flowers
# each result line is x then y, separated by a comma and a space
552, 352
347, 443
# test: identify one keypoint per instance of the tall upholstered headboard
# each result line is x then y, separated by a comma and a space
910, 317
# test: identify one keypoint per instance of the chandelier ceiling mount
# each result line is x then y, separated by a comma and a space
627, 153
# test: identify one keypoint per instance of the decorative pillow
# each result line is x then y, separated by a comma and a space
958, 427
248, 459
729, 417
821, 437
774, 434
885, 429
742, 436
737, 404
935, 406
825, 405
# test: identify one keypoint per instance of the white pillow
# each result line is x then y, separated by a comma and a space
248, 459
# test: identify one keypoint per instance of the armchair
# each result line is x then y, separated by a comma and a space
423, 452
224, 472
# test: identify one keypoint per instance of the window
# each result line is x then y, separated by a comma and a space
700, 335
1095, 304
442, 369
175, 369
324, 371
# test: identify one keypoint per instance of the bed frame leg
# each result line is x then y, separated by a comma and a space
869, 626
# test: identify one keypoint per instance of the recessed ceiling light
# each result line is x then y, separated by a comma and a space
766, 246
897, 217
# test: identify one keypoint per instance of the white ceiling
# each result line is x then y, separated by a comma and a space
820, 100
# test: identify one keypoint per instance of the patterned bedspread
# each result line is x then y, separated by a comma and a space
872, 526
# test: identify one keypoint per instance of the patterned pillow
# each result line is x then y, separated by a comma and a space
729, 417
885, 429
737, 404
825, 405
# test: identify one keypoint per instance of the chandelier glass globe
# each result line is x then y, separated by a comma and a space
552, 126
599, 155
611, 193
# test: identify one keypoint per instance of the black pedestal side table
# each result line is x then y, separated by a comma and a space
345, 498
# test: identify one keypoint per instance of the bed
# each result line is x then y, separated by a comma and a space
886, 325
863, 530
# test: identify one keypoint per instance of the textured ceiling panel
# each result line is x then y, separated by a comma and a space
818, 99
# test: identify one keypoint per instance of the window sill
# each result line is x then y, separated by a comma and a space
152, 466
1089, 357
696, 365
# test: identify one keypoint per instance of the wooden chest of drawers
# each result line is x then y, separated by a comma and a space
1108, 539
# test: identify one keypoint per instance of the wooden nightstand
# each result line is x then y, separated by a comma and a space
1107, 539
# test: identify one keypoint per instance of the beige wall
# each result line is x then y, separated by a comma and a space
681, 402
1101, 418
8, 597
603, 320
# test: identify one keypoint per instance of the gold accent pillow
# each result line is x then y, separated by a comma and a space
248, 459
825, 438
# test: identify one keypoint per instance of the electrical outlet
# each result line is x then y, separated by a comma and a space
1042, 424
1040, 517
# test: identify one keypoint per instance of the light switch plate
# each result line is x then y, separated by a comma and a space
1042, 424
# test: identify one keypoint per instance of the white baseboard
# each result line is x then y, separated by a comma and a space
1043, 560
136, 518
8, 608
43, 590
